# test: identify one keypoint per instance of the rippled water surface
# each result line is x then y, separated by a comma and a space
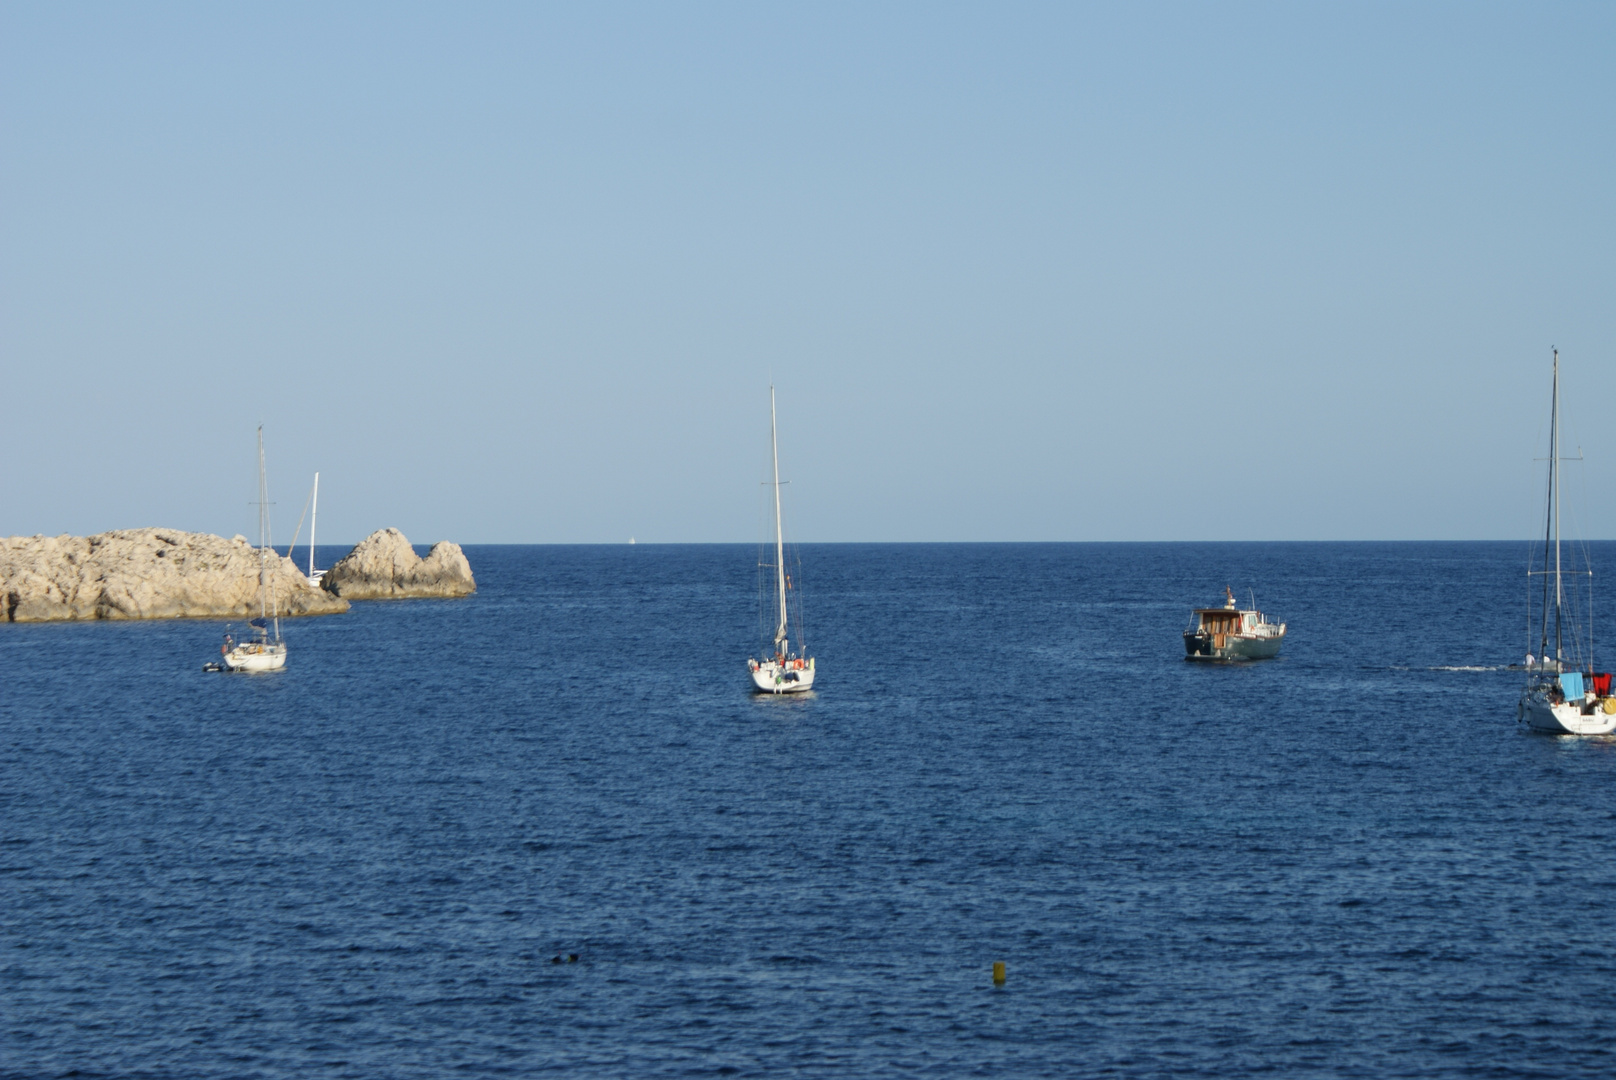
1348, 861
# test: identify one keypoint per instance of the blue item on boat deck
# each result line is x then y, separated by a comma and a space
1571, 685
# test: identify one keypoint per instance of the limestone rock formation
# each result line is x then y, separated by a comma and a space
146, 574
384, 567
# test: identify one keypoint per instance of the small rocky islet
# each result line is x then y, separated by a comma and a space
383, 566
171, 574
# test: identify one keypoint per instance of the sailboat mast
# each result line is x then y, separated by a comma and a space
1554, 484
779, 535
263, 527
314, 520
1548, 537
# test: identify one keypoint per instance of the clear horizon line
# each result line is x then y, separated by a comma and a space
829, 543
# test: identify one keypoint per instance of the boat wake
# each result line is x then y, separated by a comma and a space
1469, 667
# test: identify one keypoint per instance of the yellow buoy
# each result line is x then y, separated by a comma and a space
998, 972
1609, 705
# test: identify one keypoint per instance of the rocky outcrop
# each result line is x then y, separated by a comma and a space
146, 574
384, 567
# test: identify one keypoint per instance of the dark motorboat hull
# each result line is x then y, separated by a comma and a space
1198, 646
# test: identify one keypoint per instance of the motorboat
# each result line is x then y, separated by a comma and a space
1231, 633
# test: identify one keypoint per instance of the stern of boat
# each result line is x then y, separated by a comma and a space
788, 677
253, 658
1541, 714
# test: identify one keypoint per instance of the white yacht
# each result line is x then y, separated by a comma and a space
1563, 695
265, 651
785, 671
1231, 633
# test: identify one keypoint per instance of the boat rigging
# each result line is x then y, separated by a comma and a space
785, 672
265, 651
1563, 694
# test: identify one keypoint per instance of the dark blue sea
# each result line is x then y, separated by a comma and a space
1346, 862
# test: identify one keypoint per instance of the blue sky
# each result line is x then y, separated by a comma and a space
507, 273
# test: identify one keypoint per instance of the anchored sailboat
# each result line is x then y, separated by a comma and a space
266, 651
1563, 695
785, 672
314, 502
314, 519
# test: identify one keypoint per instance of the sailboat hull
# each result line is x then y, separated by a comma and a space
1563, 718
254, 657
790, 678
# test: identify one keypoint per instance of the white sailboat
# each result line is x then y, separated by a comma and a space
785, 672
1563, 695
314, 519
266, 651
314, 503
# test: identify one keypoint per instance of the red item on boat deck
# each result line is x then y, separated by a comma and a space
1601, 684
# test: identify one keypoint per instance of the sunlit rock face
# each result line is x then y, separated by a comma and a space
147, 574
384, 567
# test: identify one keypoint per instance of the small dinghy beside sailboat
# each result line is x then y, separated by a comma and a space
1563, 695
265, 651
785, 672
